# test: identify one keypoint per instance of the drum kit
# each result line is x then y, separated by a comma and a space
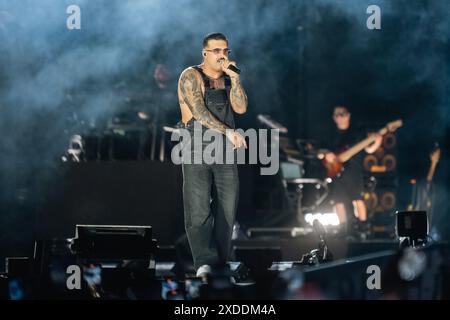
126, 136
301, 172
133, 137
134, 132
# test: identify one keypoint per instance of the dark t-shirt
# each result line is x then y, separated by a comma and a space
349, 185
345, 139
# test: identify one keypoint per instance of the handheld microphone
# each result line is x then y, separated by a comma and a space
234, 68
231, 67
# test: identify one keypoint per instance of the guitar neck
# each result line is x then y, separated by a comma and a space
431, 172
346, 155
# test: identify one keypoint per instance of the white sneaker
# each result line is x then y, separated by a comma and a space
203, 271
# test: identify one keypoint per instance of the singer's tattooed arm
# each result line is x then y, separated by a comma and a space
238, 98
190, 94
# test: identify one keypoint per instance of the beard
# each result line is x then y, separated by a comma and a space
216, 66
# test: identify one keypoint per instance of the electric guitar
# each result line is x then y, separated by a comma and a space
422, 194
334, 168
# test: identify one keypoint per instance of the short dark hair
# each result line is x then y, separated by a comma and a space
214, 36
340, 106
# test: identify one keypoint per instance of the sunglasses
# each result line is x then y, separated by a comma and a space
217, 51
340, 114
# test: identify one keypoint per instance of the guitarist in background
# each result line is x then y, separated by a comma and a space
347, 188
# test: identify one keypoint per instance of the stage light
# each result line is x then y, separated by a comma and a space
326, 219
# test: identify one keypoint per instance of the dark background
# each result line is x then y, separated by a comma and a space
299, 59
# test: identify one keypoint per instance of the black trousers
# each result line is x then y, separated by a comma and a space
210, 197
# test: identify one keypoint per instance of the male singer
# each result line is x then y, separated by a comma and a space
208, 94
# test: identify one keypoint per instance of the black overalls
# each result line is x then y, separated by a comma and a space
210, 191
